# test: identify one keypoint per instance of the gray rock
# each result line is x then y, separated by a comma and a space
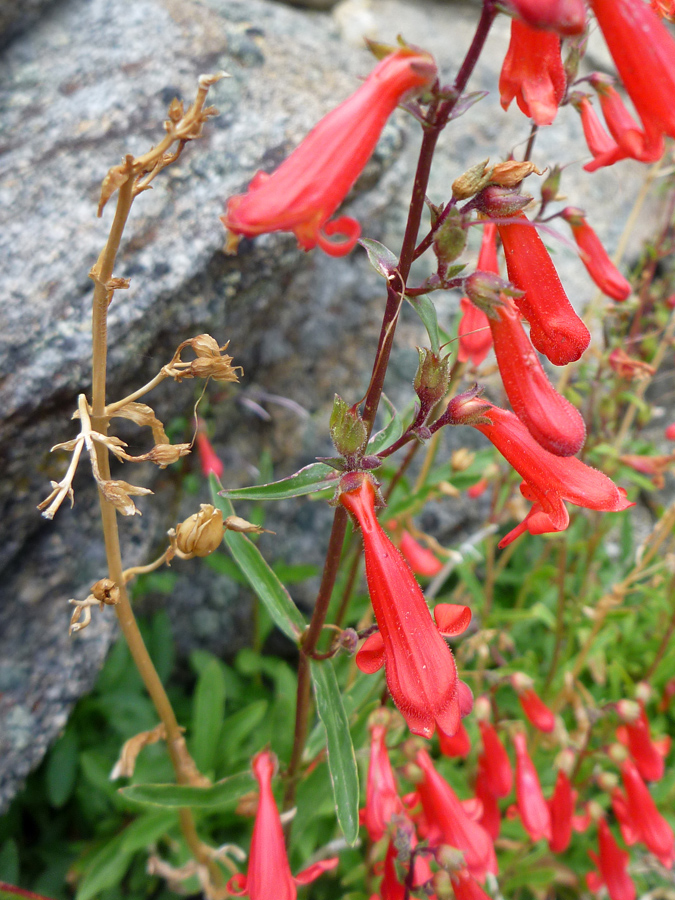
90, 83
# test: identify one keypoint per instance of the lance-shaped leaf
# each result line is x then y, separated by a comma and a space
381, 258
315, 477
341, 759
285, 614
425, 309
179, 796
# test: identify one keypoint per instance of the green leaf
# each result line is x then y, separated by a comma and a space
425, 309
286, 615
9, 861
381, 258
315, 477
207, 715
391, 432
176, 796
109, 864
61, 771
237, 728
341, 759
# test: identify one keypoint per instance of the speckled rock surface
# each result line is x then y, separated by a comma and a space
90, 82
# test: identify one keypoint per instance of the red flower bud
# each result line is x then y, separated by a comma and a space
653, 829
533, 73
382, 799
449, 823
494, 766
648, 755
594, 256
611, 862
208, 457
538, 714
561, 807
534, 812
306, 189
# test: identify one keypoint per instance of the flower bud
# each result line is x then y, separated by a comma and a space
617, 753
565, 760
607, 781
347, 429
499, 202
201, 533
467, 408
450, 239
449, 858
628, 710
472, 181
644, 691
551, 185
484, 288
441, 884
482, 709
432, 378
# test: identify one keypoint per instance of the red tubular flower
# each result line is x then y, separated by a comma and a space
494, 766
604, 148
536, 711
269, 874
629, 832
561, 808
594, 256
533, 73
382, 799
644, 54
420, 559
419, 666
611, 863
533, 809
208, 457
457, 745
304, 192
555, 329
654, 831
548, 479
490, 818
669, 433
450, 824
567, 17
465, 887
628, 135
648, 755
549, 417
474, 334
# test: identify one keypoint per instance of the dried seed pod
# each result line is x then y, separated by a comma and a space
201, 533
